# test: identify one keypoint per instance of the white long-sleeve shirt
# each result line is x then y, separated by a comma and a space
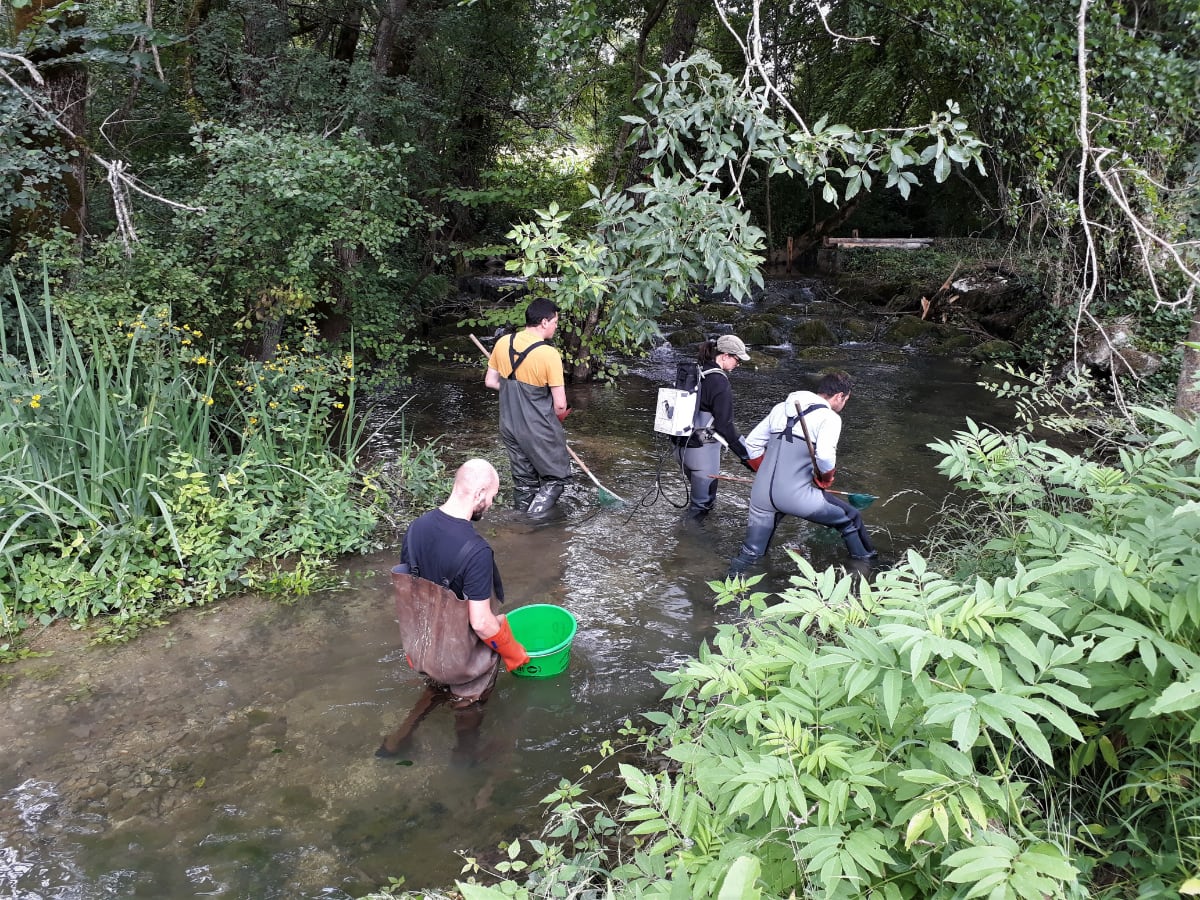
824, 426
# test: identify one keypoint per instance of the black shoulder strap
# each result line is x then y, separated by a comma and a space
468, 550
515, 359
792, 420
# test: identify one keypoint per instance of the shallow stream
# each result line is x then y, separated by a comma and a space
231, 752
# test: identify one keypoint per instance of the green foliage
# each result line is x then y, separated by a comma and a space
1032, 733
138, 475
684, 224
292, 219
1134, 182
31, 159
112, 283
700, 119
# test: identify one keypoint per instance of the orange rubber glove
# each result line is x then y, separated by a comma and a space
824, 482
508, 647
563, 415
754, 462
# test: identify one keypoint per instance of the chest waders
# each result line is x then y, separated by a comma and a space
784, 486
533, 438
699, 457
436, 632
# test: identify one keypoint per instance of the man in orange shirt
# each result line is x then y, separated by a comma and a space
528, 373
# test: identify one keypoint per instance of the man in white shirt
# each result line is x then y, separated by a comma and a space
789, 481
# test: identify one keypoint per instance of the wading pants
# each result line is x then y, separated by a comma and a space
835, 512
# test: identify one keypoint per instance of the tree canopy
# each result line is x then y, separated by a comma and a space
713, 131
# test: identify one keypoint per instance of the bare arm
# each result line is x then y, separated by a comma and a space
484, 622
492, 379
559, 395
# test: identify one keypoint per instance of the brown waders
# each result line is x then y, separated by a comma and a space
459, 668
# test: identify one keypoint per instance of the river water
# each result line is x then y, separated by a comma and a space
231, 752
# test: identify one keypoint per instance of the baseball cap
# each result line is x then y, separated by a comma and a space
733, 345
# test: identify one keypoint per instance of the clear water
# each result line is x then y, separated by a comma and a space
231, 753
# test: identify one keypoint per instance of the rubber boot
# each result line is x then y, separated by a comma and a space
544, 500
522, 496
754, 547
856, 546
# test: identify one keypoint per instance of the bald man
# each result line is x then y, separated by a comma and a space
454, 637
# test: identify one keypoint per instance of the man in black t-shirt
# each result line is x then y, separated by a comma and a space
445, 585
443, 546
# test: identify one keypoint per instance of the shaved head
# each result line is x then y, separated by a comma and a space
475, 475
475, 486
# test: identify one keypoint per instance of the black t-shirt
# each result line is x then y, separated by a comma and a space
434, 546
716, 397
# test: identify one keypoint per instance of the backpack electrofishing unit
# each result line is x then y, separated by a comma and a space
675, 411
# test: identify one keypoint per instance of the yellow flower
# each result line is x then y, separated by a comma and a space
340, 405
34, 404
201, 360
273, 405
253, 420
185, 342
249, 389
297, 388
208, 401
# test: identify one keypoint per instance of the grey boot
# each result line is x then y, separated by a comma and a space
754, 547
856, 546
545, 498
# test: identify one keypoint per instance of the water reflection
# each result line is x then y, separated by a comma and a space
232, 753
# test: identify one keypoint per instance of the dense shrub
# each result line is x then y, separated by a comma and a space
1031, 733
141, 472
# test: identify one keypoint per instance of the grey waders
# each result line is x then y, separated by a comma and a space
534, 439
784, 486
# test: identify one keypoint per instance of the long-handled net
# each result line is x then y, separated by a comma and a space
858, 501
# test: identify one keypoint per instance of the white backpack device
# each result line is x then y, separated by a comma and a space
675, 411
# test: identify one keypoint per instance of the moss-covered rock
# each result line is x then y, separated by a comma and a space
763, 361
719, 313
761, 330
916, 331
954, 344
813, 333
687, 315
858, 330
685, 337
817, 353
990, 350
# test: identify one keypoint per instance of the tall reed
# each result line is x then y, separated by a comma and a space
81, 429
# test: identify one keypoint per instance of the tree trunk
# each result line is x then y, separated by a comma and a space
392, 54
265, 31
620, 161
1187, 394
345, 45
196, 18
65, 91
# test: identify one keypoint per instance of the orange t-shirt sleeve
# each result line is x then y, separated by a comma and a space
499, 357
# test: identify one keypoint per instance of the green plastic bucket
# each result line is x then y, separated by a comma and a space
546, 632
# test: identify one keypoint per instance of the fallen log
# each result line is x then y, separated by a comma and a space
878, 243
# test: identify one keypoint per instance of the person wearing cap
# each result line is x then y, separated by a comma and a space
699, 453
795, 454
